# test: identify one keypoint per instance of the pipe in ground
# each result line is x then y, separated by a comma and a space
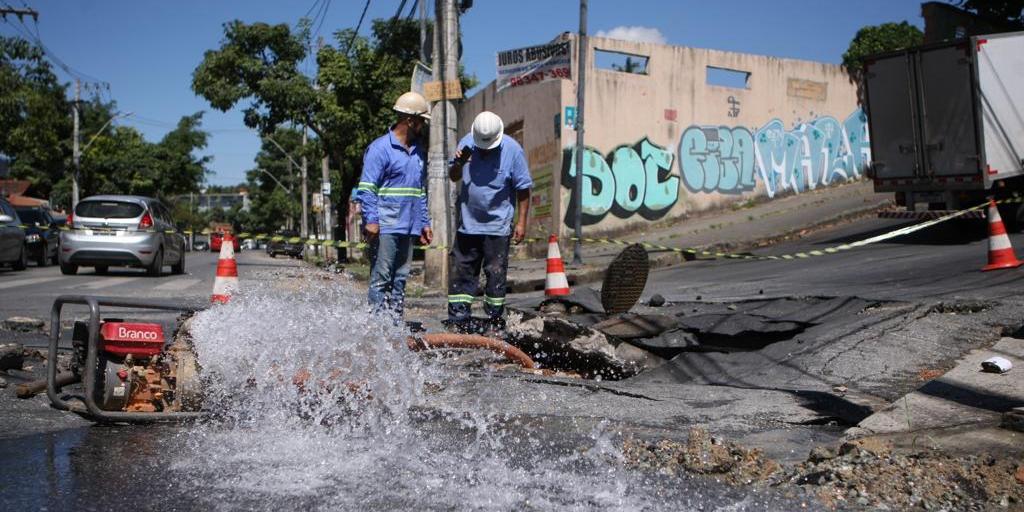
450, 340
31, 389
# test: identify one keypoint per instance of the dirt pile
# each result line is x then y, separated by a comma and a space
859, 474
701, 454
868, 473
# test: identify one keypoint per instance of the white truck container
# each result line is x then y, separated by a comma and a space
946, 123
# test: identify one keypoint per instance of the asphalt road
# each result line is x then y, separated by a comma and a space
31, 292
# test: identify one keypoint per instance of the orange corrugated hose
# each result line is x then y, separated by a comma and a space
450, 340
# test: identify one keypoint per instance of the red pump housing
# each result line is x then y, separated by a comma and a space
137, 339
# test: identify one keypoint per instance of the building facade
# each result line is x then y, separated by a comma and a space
671, 131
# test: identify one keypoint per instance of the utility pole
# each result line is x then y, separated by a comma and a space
76, 141
581, 87
305, 189
445, 64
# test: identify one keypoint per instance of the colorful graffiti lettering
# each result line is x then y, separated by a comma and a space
634, 179
725, 160
638, 178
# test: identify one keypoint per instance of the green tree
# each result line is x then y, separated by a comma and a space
1007, 11
35, 125
278, 205
877, 39
258, 65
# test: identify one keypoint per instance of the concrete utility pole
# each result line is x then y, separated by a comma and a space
76, 141
443, 138
581, 87
325, 190
305, 189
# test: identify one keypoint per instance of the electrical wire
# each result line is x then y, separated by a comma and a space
358, 26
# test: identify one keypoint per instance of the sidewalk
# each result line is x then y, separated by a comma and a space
723, 230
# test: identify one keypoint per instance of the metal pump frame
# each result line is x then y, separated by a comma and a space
86, 405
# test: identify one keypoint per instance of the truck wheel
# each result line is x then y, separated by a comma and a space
1012, 215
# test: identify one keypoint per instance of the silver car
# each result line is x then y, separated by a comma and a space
132, 231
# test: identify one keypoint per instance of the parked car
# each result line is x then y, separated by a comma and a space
201, 245
285, 242
116, 230
249, 244
12, 238
217, 237
42, 235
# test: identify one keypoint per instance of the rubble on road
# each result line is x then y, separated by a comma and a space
860, 473
22, 324
12, 356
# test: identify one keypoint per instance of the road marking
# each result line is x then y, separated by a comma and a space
106, 283
178, 284
27, 282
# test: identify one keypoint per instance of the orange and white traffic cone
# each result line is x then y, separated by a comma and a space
1000, 252
226, 282
556, 284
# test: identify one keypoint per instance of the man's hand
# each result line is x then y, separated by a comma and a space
372, 231
427, 237
519, 233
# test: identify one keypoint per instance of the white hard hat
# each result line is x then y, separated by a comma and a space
414, 104
487, 130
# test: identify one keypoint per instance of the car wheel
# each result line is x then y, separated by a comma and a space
272, 255
43, 260
68, 269
102, 270
179, 268
22, 262
157, 267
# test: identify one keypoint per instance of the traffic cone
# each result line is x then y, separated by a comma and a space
1000, 252
226, 282
556, 283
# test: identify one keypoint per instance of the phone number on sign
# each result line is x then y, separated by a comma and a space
540, 76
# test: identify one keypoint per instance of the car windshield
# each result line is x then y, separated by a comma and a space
31, 216
108, 209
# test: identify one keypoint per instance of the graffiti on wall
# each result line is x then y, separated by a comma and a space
729, 160
632, 179
639, 178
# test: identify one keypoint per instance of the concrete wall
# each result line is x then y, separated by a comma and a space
667, 144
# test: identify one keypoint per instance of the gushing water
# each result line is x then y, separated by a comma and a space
321, 405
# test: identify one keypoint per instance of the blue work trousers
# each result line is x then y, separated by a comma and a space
390, 259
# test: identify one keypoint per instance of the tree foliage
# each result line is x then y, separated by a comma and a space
36, 134
258, 67
878, 39
1009, 11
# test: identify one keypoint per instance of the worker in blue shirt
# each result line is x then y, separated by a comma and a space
493, 172
392, 194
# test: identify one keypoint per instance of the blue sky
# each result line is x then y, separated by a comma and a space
147, 49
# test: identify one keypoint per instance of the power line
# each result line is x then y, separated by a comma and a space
398, 12
412, 11
323, 16
358, 25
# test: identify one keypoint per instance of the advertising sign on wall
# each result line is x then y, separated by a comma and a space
535, 64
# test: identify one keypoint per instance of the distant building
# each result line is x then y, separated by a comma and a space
672, 131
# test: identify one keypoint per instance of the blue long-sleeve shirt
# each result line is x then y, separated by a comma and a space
393, 187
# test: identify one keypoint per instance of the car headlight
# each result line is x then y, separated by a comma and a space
32, 238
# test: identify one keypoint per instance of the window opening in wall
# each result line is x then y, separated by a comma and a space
621, 61
515, 130
726, 77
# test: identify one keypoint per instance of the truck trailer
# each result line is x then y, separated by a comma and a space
946, 126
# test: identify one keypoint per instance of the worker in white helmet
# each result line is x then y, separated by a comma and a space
494, 201
392, 194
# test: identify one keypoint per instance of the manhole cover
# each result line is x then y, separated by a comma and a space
625, 280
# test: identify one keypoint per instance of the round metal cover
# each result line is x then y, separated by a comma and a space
625, 279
